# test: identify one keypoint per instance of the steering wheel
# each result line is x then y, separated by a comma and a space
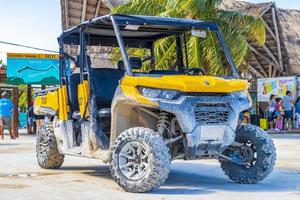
196, 71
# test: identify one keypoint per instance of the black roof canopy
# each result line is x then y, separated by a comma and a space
136, 31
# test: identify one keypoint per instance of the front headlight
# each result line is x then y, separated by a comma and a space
158, 93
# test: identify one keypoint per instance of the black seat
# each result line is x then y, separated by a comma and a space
104, 82
73, 82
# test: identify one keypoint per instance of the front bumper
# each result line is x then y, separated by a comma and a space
206, 134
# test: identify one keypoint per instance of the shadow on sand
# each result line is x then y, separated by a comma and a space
187, 178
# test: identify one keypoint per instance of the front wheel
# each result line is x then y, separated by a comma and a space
251, 158
47, 153
140, 160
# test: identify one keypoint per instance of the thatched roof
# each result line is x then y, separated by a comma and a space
289, 21
280, 55
74, 12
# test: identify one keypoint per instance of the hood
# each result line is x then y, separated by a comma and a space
187, 83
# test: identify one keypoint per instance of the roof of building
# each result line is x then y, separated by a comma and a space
280, 55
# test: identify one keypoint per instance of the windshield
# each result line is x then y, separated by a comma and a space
172, 55
193, 52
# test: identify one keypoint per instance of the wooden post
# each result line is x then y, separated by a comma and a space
277, 37
29, 100
270, 70
97, 8
15, 118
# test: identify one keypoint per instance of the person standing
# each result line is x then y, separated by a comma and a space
287, 104
31, 119
297, 111
278, 114
271, 111
6, 108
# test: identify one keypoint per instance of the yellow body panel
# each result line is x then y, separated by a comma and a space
52, 102
63, 103
56, 100
48, 101
83, 95
185, 83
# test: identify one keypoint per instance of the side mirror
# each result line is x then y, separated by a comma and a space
136, 62
199, 33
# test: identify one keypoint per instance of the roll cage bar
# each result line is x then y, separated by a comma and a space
132, 31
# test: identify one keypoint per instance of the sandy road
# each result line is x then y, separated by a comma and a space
81, 178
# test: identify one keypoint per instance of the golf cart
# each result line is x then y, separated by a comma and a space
147, 111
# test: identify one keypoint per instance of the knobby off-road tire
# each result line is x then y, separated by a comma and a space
153, 151
265, 156
47, 154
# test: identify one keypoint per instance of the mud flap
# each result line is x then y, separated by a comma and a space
97, 136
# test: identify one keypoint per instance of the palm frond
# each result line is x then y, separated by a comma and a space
213, 4
195, 53
140, 7
212, 53
194, 9
237, 28
236, 42
253, 27
165, 53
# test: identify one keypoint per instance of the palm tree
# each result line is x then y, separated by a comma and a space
237, 28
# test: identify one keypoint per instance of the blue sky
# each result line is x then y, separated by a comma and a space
37, 23
29, 22
289, 4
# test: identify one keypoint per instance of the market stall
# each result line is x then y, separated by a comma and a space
277, 86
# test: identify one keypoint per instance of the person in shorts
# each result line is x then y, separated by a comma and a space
6, 108
287, 104
31, 119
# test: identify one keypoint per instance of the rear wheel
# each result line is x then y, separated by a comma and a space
252, 158
140, 160
47, 154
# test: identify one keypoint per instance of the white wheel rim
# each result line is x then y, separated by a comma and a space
133, 160
42, 144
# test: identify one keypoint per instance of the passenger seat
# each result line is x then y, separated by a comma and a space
73, 82
104, 82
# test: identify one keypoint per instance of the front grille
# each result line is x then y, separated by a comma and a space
212, 114
206, 94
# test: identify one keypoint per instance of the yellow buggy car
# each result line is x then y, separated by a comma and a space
139, 116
